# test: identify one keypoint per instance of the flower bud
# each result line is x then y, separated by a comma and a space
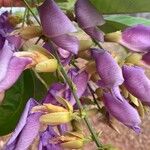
113, 37
56, 118
49, 65
14, 19
91, 67
134, 58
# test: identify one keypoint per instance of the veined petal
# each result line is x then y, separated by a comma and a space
54, 21
67, 42
137, 83
5, 57
89, 18
136, 38
95, 33
123, 112
16, 41
87, 15
108, 70
14, 70
80, 81
24, 124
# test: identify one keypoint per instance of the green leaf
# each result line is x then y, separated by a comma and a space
121, 6
119, 22
14, 102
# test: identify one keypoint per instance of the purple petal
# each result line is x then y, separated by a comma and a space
55, 89
62, 128
23, 125
5, 56
146, 58
87, 15
67, 42
45, 140
137, 83
14, 70
108, 70
136, 38
123, 112
54, 21
80, 82
88, 18
95, 33
16, 41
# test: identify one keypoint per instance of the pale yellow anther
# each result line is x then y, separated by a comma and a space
49, 65
53, 108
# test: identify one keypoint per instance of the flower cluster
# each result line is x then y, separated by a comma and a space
85, 71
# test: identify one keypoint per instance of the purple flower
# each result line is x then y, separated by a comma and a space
89, 18
123, 112
56, 26
108, 70
136, 38
80, 80
46, 140
65, 56
26, 130
137, 83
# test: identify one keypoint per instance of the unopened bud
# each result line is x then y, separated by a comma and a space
95, 77
30, 32
113, 37
85, 41
134, 58
99, 92
56, 118
49, 65
124, 91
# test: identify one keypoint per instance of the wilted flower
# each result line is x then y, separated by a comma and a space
26, 130
89, 19
57, 26
122, 111
137, 83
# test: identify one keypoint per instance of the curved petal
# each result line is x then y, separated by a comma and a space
87, 16
54, 21
136, 38
5, 56
137, 83
10, 145
95, 33
14, 70
67, 42
123, 112
108, 70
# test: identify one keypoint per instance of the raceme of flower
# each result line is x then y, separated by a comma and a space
56, 121
57, 26
123, 112
89, 19
137, 83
